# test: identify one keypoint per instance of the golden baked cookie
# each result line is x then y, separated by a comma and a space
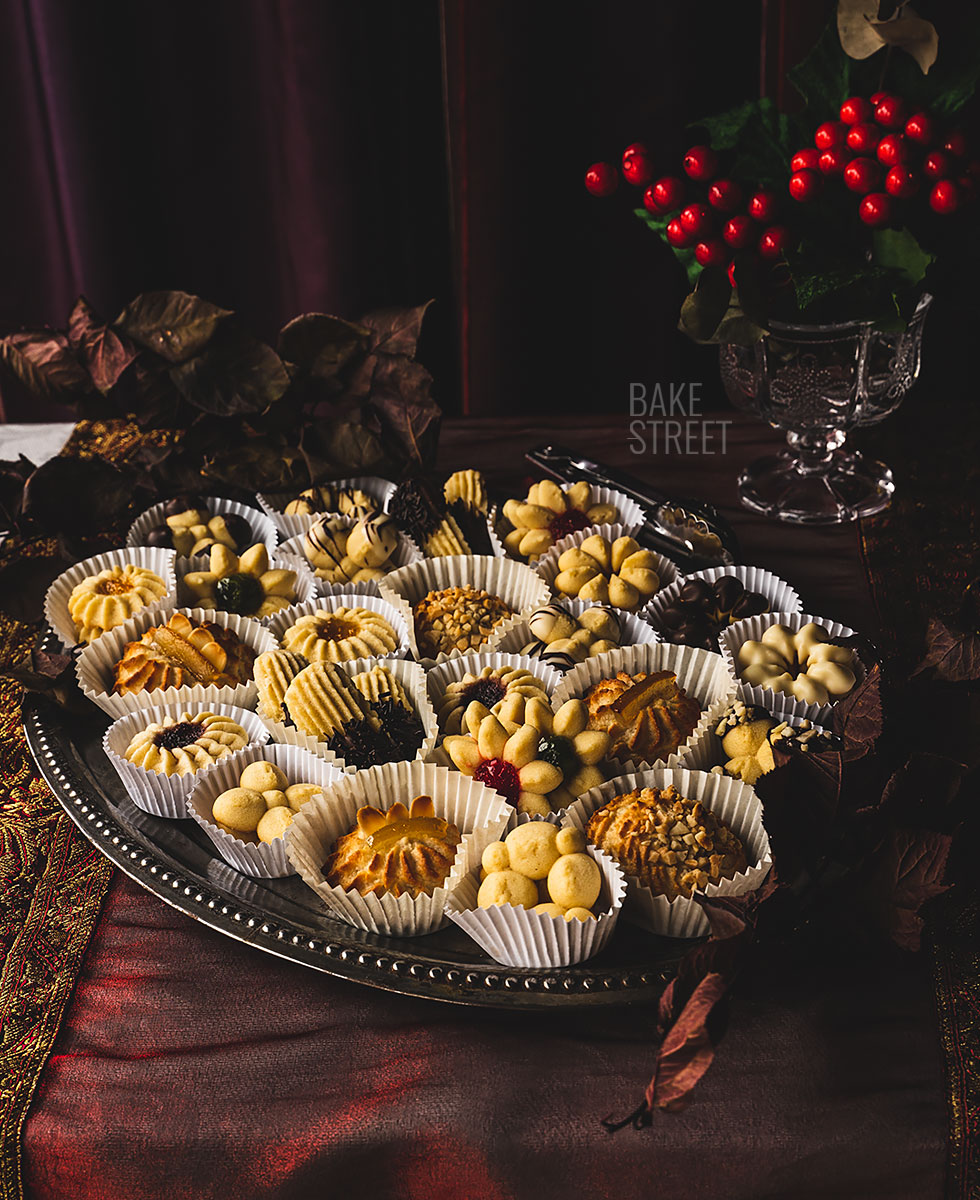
620, 573
183, 653
341, 635
503, 691
647, 717
673, 845
457, 618
401, 851
550, 513
273, 672
111, 597
355, 554
379, 684
185, 744
328, 498
243, 583
804, 664
322, 699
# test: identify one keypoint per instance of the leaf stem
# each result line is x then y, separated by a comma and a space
884, 67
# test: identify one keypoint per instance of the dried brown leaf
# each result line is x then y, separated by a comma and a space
103, 353
951, 656
175, 325
905, 872
686, 1051
858, 718
44, 362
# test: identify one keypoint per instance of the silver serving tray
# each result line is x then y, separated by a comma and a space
175, 861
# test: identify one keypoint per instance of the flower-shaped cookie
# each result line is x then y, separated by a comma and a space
804, 664
503, 691
242, 584
550, 513
621, 574
105, 600
340, 635
540, 766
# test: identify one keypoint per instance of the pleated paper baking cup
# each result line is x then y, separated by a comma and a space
634, 631
279, 622
516, 584
263, 529
166, 795
517, 937
290, 526
409, 674
732, 802
96, 662
452, 671
781, 597
160, 562
305, 588
547, 565
261, 860
405, 552
782, 706
702, 674
630, 518
479, 814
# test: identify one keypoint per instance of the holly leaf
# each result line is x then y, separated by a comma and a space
704, 309
950, 656
858, 718
823, 79
905, 872
322, 345
235, 374
101, 351
175, 325
44, 363
898, 251
395, 330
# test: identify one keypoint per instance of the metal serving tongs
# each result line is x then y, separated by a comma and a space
692, 533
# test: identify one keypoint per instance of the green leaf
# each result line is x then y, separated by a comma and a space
321, 344
236, 374
762, 141
705, 308
898, 249
44, 363
174, 325
823, 79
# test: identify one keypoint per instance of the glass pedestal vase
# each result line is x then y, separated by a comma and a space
818, 382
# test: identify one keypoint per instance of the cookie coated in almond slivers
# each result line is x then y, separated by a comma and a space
457, 618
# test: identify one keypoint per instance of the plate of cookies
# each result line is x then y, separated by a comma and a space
484, 752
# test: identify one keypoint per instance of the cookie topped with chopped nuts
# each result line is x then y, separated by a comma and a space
672, 845
749, 733
457, 618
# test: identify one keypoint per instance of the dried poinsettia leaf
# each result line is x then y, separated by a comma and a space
175, 325
799, 802
905, 872
101, 351
395, 330
45, 363
687, 1050
924, 791
13, 476
78, 496
858, 718
49, 675
235, 374
322, 345
951, 656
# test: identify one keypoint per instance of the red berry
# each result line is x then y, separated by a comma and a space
875, 209
863, 138
650, 203
829, 134
601, 179
893, 149
937, 165
635, 148
862, 175
944, 197
763, 206
739, 232
956, 144
637, 169
725, 195
731, 273
921, 128
773, 242
712, 253
677, 235
833, 162
696, 220
804, 160
901, 182
500, 775
805, 185
668, 193
856, 110
700, 163
890, 112
877, 98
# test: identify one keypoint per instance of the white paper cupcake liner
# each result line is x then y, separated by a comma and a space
439, 678
781, 597
263, 529
517, 937
631, 518
261, 860
290, 526
479, 814
409, 674
634, 630
160, 562
515, 583
704, 675
95, 664
731, 801
279, 622
306, 588
547, 565
166, 795
708, 752
405, 552
782, 706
